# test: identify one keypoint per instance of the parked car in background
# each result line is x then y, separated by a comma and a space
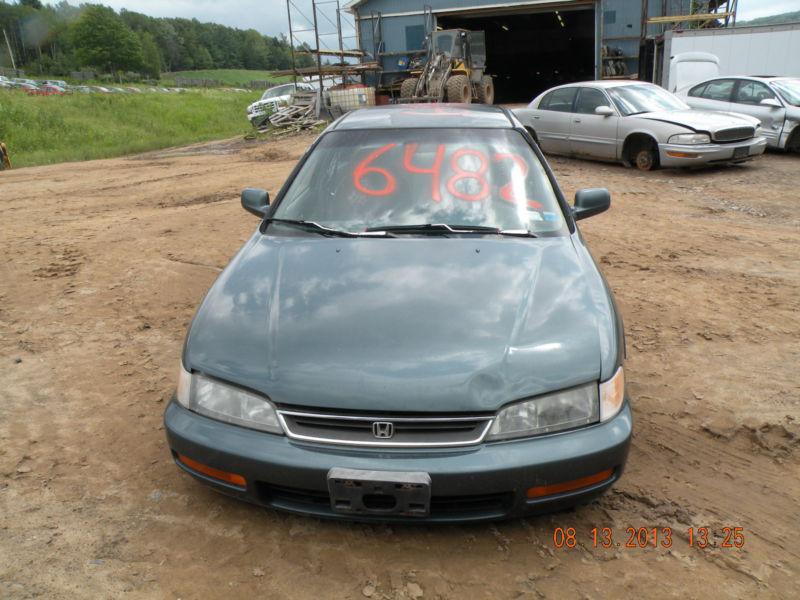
775, 101
272, 99
637, 123
134, 90
26, 87
21, 80
51, 90
101, 89
391, 345
82, 89
56, 82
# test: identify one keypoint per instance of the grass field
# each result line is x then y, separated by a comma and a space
234, 77
50, 129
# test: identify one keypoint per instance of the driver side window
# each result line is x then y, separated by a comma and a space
589, 99
752, 92
559, 100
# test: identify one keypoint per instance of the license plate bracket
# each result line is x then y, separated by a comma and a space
741, 152
380, 493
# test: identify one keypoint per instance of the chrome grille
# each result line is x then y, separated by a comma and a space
407, 431
734, 134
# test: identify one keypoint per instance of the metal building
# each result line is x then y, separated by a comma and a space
531, 44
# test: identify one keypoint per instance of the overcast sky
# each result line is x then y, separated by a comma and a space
269, 16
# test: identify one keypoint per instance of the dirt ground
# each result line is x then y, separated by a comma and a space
104, 263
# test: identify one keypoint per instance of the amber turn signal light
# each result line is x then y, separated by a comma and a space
212, 472
569, 486
675, 154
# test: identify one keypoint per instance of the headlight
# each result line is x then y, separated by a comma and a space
226, 403
612, 395
690, 138
567, 409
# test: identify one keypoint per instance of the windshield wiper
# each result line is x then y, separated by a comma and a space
323, 230
443, 228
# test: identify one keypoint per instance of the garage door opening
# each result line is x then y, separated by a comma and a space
528, 53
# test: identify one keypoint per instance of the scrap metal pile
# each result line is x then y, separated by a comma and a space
302, 113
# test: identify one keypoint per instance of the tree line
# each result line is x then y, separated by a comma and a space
60, 38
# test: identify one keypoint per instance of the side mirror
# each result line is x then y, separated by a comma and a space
770, 102
255, 201
590, 202
605, 111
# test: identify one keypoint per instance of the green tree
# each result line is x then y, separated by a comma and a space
103, 40
151, 56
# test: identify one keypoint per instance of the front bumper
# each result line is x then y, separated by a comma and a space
258, 115
485, 482
687, 155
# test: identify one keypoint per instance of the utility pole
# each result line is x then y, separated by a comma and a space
10, 53
319, 56
291, 41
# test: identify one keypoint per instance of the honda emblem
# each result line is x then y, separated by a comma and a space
383, 429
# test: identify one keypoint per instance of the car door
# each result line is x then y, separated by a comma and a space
747, 100
593, 135
553, 120
712, 95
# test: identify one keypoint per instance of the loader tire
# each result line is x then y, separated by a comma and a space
408, 88
486, 90
459, 89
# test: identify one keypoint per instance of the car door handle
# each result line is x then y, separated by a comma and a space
576, 120
535, 116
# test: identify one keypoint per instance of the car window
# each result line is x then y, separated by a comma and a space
281, 90
752, 92
642, 98
559, 100
789, 89
589, 99
698, 90
385, 177
719, 90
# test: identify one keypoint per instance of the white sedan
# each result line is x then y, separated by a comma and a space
637, 123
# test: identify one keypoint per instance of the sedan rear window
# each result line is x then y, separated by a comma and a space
719, 90
361, 179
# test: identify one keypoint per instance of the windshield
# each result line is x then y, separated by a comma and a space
360, 179
443, 42
281, 90
789, 89
635, 99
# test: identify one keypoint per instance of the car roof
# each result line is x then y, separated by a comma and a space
410, 116
604, 83
763, 78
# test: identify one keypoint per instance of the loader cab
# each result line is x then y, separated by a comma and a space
449, 42
461, 45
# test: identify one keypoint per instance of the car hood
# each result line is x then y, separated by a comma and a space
409, 324
701, 120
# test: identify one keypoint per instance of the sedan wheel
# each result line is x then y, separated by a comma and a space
645, 159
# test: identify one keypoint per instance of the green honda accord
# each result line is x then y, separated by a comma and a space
416, 331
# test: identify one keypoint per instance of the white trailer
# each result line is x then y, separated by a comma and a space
760, 50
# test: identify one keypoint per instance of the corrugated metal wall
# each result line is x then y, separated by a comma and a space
620, 21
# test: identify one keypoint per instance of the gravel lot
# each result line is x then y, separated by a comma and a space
105, 262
